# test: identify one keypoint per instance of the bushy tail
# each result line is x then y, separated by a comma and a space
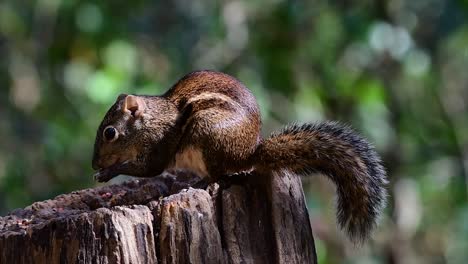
339, 153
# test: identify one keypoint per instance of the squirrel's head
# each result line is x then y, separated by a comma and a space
136, 137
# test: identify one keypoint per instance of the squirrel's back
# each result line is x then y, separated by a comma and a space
219, 112
208, 85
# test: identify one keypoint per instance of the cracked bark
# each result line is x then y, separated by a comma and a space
162, 220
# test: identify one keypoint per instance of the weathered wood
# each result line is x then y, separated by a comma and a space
161, 220
188, 231
292, 230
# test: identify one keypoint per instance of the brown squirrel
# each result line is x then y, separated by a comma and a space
209, 122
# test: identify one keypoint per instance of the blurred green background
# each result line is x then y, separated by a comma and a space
395, 70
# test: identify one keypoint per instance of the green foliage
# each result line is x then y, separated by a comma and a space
395, 70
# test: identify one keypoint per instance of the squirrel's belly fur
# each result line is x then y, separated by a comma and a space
191, 158
209, 122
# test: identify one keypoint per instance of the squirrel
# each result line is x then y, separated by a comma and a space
209, 122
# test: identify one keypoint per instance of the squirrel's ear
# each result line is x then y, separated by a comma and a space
121, 96
134, 105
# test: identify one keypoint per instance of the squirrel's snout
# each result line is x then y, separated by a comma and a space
95, 161
96, 164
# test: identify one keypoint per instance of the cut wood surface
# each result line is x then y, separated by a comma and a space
164, 220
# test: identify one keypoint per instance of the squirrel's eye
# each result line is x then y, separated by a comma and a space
110, 133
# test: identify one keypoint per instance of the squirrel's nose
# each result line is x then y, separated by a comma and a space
96, 165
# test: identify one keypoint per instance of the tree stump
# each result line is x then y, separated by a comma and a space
164, 220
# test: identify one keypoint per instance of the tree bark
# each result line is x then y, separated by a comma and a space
258, 219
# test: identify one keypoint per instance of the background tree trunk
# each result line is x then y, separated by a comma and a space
162, 220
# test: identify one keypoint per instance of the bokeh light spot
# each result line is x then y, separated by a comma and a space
89, 18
